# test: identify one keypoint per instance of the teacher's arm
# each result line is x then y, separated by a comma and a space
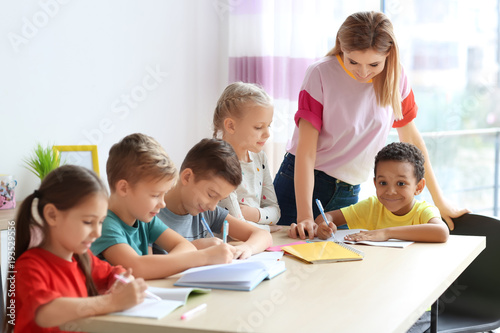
305, 159
410, 134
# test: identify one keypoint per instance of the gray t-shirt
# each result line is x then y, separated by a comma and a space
190, 227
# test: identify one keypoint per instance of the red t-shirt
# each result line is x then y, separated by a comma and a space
42, 277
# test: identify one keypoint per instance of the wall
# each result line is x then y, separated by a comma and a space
91, 72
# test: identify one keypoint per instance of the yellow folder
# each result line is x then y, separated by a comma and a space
324, 252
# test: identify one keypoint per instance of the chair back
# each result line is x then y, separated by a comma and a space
477, 290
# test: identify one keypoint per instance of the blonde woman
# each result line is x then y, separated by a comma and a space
348, 102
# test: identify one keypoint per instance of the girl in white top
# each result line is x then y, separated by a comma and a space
242, 117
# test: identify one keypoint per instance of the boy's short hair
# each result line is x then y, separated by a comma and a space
403, 152
213, 157
138, 157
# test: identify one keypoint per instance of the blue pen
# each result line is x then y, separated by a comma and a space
206, 226
224, 231
322, 211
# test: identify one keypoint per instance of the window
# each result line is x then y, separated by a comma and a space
450, 52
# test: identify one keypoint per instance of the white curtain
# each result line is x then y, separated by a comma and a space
272, 42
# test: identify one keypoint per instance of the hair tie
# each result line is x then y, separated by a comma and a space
37, 194
34, 210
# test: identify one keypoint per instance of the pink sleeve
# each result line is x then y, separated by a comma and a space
311, 99
409, 109
408, 106
310, 110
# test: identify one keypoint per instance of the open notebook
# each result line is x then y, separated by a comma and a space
242, 275
341, 233
171, 299
324, 252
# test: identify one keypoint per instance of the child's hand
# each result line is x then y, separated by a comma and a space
325, 231
203, 243
127, 275
243, 251
126, 295
372, 235
220, 254
275, 228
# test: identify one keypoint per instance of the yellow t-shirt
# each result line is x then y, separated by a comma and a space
370, 214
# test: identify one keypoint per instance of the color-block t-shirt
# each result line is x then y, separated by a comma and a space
352, 126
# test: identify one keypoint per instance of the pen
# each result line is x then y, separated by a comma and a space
322, 211
194, 311
125, 280
206, 226
224, 231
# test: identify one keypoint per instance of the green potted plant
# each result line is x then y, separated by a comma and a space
42, 161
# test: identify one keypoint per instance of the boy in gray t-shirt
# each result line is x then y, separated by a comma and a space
209, 173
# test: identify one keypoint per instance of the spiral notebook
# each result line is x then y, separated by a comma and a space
324, 252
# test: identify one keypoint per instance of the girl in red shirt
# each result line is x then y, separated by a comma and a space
55, 279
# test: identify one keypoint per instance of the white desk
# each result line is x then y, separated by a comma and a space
386, 292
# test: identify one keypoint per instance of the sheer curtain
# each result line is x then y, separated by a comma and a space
272, 42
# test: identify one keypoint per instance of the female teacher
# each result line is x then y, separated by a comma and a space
348, 102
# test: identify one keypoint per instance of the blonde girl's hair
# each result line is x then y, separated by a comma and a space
233, 100
138, 157
65, 188
373, 30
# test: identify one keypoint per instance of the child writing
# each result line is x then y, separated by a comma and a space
393, 212
139, 174
210, 172
242, 116
60, 280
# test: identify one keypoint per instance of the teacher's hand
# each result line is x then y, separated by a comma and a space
449, 211
300, 229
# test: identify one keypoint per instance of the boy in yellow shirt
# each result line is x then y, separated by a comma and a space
393, 212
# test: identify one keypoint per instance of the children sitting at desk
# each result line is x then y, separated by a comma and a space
393, 212
139, 174
209, 173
